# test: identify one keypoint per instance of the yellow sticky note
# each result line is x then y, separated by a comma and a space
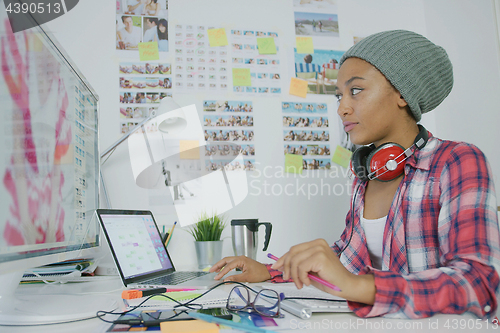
190, 149
217, 37
304, 45
266, 45
293, 163
177, 295
192, 326
241, 77
148, 51
342, 156
298, 87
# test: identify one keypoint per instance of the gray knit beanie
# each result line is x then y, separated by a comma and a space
420, 70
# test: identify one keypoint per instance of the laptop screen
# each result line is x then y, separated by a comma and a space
136, 243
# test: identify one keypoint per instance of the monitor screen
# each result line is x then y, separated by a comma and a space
49, 163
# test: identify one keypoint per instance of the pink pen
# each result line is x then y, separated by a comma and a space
312, 277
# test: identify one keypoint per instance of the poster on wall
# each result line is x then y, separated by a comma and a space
317, 54
197, 65
142, 85
263, 66
141, 21
236, 65
228, 130
306, 132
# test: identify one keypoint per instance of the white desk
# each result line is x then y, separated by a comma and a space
333, 322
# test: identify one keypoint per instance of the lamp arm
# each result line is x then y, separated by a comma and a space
125, 137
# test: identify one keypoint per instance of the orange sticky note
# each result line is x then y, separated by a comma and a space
217, 37
192, 326
266, 45
241, 77
148, 51
190, 149
304, 45
293, 163
298, 87
342, 156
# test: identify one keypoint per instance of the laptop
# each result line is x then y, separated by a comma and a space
140, 255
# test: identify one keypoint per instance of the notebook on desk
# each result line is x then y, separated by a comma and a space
140, 255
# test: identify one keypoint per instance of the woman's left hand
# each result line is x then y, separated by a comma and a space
316, 257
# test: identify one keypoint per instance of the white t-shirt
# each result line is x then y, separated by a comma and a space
149, 35
131, 39
374, 232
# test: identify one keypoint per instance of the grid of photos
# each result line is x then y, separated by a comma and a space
228, 127
142, 86
197, 65
306, 132
141, 21
265, 70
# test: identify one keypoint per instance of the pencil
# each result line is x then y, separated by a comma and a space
170, 234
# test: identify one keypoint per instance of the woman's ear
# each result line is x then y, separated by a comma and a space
401, 102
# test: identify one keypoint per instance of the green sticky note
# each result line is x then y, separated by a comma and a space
148, 51
217, 37
304, 45
266, 45
241, 77
293, 163
177, 295
342, 156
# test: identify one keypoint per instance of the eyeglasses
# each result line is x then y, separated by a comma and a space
266, 301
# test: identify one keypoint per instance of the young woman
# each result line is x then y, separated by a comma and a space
162, 35
152, 8
422, 234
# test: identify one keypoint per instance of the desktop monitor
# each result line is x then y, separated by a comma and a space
49, 163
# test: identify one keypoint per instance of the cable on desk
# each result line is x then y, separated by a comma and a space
194, 306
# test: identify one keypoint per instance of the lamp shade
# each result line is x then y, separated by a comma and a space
173, 119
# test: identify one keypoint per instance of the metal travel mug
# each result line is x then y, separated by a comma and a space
245, 236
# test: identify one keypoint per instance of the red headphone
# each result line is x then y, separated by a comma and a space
385, 162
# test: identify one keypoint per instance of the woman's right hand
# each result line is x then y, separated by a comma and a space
251, 270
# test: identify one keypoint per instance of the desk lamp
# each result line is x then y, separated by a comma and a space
170, 118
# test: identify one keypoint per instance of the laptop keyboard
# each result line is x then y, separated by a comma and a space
175, 278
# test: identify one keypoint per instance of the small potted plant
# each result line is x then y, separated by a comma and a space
207, 235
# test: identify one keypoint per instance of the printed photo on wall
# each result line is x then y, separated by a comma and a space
141, 21
142, 85
227, 106
297, 107
307, 149
316, 4
294, 135
320, 69
227, 120
316, 24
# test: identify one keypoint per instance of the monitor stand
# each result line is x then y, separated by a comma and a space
38, 304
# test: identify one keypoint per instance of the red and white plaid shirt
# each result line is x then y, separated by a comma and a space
441, 240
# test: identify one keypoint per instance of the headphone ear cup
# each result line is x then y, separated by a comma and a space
378, 158
358, 162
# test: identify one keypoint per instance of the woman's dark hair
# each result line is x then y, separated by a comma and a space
162, 35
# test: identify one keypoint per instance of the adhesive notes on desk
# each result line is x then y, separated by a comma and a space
214, 299
191, 326
177, 295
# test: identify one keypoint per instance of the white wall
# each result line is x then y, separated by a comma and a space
466, 28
